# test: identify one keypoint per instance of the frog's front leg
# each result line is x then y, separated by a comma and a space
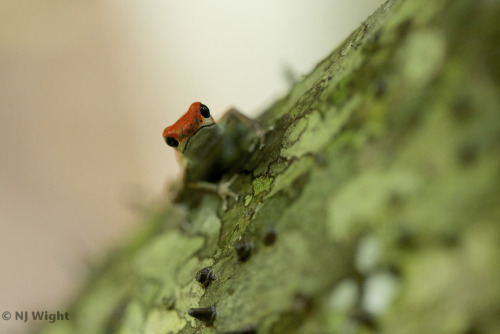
222, 188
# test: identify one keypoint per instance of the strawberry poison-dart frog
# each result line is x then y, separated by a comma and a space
209, 151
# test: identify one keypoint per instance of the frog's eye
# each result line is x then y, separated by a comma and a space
171, 141
205, 112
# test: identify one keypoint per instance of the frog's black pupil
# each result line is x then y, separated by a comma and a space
171, 141
204, 111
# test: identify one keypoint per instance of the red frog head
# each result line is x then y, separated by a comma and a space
178, 134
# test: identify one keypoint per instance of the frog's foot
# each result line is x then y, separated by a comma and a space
222, 189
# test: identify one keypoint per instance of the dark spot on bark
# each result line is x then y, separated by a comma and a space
366, 319
396, 199
244, 250
247, 330
376, 36
462, 108
302, 302
450, 240
406, 238
373, 43
205, 276
473, 329
168, 302
467, 154
394, 269
321, 159
298, 185
380, 88
206, 315
270, 236
404, 27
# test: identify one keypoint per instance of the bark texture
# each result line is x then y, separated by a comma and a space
373, 207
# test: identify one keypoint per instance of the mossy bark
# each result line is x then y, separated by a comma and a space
374, 205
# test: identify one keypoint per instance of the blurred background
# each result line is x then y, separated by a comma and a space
86, 89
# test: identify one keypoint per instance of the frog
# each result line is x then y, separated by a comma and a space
212, 154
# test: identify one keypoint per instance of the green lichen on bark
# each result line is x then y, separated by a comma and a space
380, 184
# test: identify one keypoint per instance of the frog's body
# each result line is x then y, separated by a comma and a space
208, 150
